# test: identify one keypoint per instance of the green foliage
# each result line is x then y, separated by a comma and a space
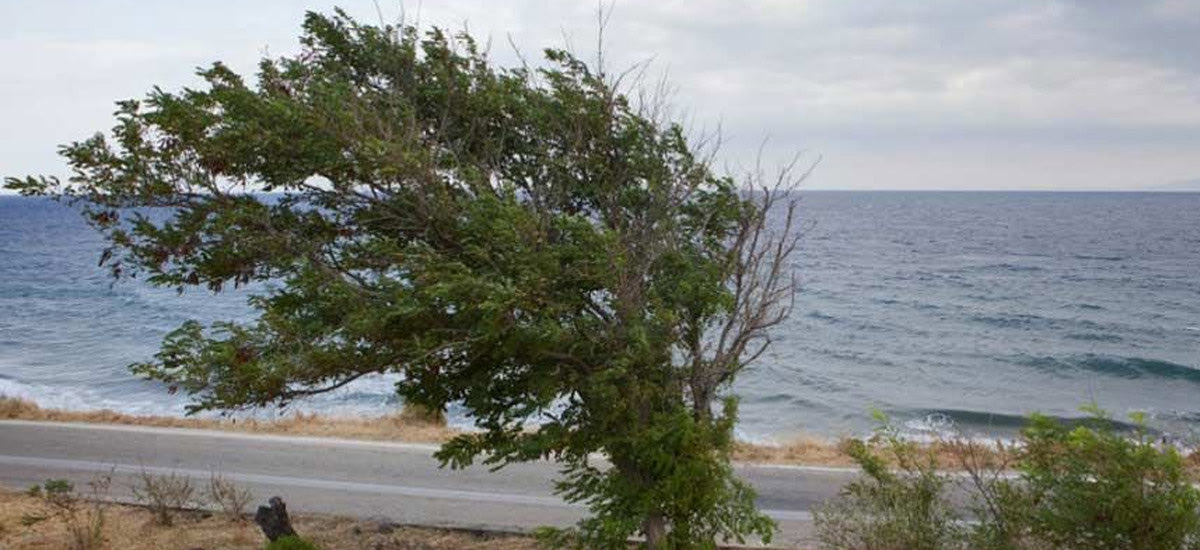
528, 242
900, 503
291, 543
1082, 487
1096, 488
57, 488
682, 474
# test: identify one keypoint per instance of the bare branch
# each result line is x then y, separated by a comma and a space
761, 279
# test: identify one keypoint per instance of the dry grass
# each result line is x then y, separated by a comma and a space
821, 452
228, 497
164, 495
413, 427
133, 528
807, 450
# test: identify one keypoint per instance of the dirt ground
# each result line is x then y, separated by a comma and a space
28, 523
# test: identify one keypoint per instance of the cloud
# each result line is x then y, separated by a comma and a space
913, 94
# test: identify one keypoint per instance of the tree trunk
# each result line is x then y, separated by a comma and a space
273, 520
654, 528
701, 403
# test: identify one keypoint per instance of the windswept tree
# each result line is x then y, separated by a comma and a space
530, 243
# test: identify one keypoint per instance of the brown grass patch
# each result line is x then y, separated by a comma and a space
813, 451
413, 427
132, 528
808, 450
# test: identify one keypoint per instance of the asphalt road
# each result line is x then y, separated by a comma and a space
398, 481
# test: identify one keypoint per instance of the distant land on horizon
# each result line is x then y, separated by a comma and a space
1189, 185
1186, 185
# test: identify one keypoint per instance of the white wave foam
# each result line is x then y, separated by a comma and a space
369, 396
60, 397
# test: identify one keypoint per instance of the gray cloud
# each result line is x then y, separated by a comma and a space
932, 94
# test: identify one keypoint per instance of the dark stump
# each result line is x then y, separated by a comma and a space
273, 520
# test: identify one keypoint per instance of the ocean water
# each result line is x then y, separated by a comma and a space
945, 310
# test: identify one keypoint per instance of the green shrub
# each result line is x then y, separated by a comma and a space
1062, 487
291, 543
1091, 487
905, 508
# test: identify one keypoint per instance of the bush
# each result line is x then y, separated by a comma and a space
164, 495
83, 518
997, 504
1085, 487
291, 543
1091, 487
226, 495
902, 509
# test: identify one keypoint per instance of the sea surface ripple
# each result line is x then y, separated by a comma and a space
945, 310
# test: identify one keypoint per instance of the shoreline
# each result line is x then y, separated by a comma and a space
402, 426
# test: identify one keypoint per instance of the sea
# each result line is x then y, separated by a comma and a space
949, 312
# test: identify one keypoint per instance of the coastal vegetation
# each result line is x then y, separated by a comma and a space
1083, 487
83, 518
535, 244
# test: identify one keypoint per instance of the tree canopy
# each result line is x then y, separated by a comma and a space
530, 242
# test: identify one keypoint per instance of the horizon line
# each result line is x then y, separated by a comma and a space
6, 193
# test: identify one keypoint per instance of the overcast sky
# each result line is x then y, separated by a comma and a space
970, 94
